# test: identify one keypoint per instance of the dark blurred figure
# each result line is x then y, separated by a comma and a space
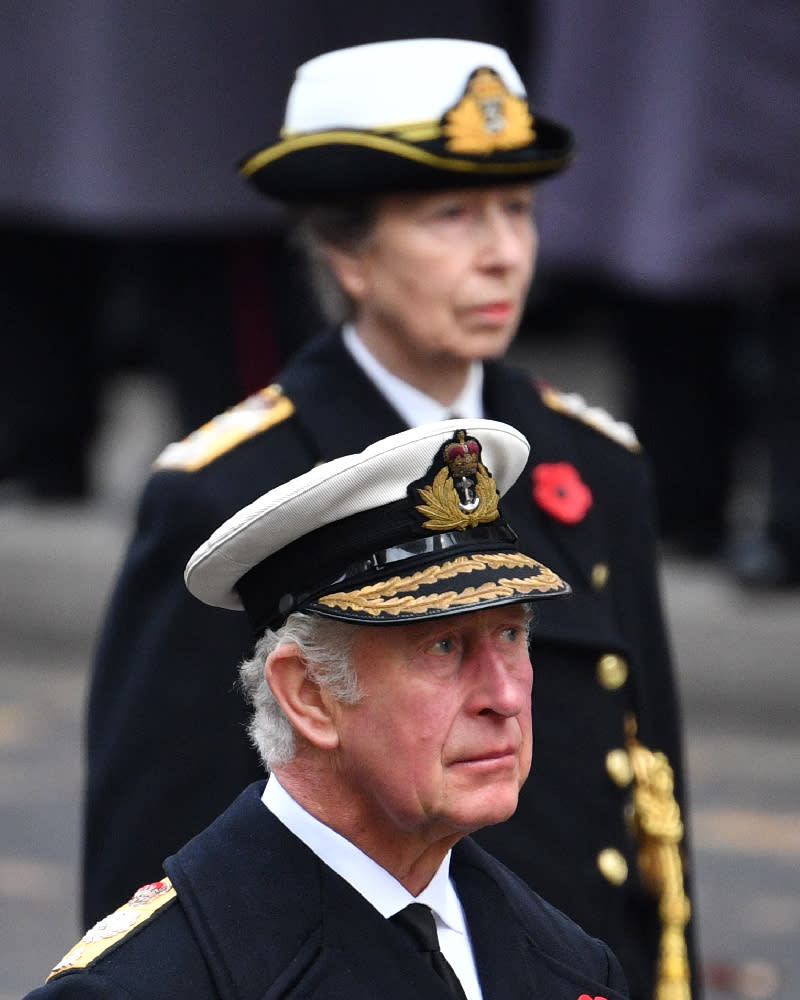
770, 556
77, 306
49, 292
681, 220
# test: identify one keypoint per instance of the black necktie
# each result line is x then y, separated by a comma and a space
418, 923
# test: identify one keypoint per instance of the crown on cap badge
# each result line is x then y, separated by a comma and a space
463, 493
488, 117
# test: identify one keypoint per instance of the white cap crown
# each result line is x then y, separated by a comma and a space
386, 84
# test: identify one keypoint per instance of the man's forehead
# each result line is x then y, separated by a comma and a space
518, 613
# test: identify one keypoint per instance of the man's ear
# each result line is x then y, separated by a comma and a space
301, 699
349, 269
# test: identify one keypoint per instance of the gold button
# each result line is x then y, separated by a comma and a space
613, 867
618, 766
599, 576
612, 671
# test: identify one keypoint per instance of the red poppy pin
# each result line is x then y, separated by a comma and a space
560, 491
585, 996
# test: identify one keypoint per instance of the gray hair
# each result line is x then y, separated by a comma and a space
325, 645
345, 225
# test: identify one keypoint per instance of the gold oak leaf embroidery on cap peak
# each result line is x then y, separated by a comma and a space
392, 596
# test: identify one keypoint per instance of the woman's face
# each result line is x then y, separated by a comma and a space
443, 276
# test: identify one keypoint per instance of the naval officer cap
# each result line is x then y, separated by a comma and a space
406, 115
408, 529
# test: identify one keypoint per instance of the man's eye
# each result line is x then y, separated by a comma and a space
442, 647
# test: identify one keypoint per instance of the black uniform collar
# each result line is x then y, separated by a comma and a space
323, 379
272, 920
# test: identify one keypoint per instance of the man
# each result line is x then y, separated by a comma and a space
422, 238
393, 710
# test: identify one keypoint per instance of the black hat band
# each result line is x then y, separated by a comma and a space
271, 591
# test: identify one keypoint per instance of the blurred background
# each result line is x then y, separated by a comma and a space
143, 289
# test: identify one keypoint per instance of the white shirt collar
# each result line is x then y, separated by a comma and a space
414, 406
380, 888
367, 877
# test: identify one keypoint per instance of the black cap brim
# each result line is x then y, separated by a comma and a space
346, 163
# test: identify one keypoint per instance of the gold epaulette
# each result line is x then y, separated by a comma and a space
108, 932
222, 433
574, 405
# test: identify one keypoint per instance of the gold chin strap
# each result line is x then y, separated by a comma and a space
659, 829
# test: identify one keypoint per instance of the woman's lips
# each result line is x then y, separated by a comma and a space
493, 312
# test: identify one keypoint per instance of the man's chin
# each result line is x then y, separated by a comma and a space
490, 812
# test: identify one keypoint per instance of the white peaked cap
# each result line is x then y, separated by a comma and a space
365, 502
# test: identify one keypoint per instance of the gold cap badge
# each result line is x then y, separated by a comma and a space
488, 117
463, 493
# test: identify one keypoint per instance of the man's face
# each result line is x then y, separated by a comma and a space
444, 276
440, 742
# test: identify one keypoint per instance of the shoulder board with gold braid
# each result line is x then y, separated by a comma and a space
574, 405
258, 412
111, 930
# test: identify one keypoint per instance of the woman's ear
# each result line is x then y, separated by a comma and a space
301, 699
349, 269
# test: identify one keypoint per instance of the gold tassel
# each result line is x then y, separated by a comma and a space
657, 819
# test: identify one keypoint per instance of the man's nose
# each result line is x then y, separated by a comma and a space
503, 685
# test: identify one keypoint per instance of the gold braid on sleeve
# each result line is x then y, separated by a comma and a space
659, 830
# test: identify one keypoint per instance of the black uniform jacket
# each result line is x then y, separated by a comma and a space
166, 744
258, 916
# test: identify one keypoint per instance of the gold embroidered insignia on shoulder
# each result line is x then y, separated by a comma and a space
139, 910
488, 117
224, 432
574, 405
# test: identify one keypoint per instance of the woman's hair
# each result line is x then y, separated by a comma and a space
325, 645
345, 225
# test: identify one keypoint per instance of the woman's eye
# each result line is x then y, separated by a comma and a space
449, 211
520, 206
